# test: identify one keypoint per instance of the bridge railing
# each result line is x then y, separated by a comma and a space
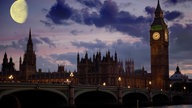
31, 85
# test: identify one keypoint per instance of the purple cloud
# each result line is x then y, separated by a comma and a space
21, 44
173, 15
150, 10
110, 17
174, 2
109, 11
48, 41
59, 12
181, 39
91, 3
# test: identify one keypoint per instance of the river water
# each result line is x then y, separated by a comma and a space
172, 106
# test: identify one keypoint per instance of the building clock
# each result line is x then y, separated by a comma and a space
166, 36
156, 35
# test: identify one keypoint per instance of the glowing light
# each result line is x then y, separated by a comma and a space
150, 82
11, 77
184, 88
119, 79
104, 84
67, 81
71, 74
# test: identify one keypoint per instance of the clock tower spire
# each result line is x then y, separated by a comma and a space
159, 50
158, 11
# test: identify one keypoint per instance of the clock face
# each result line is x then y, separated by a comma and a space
166, 36
156, 35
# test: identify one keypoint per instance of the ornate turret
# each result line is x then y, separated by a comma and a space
177, 70
11, 65
5, 63
77, 57
7, 66
115, 56
86, 55
30, 43
158, 20
5, 59
158, 11
20, 63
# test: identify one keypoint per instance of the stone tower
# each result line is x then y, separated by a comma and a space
28, 67
159, 43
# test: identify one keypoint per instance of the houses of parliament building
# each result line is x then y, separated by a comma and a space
101, 70
98, 70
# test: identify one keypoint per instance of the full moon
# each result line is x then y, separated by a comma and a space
19, 11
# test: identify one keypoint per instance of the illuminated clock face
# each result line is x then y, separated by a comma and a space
166, 36
156, 35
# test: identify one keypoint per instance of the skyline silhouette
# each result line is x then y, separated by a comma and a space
62, 28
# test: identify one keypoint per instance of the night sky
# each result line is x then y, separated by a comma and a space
62, 28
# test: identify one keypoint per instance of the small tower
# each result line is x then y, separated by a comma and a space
20, 63
115, 56
61, 68
11, 66
5, 63
77, 58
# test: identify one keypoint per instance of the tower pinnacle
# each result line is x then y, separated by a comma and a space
30, 40
158, 20
158, 11
30, 43
28, 67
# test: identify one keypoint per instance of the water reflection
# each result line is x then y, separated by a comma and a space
10, 101
172, 106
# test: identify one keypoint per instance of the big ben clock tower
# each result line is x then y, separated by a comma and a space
159, 42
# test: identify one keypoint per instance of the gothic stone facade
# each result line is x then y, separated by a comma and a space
98, 70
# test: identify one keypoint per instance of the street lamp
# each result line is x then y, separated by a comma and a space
119, 91
71, 75
170, 86
119, 81
71, 90
11, 77
184, 88
150, 86
104, 84
67, 81
150, 94
150, 83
